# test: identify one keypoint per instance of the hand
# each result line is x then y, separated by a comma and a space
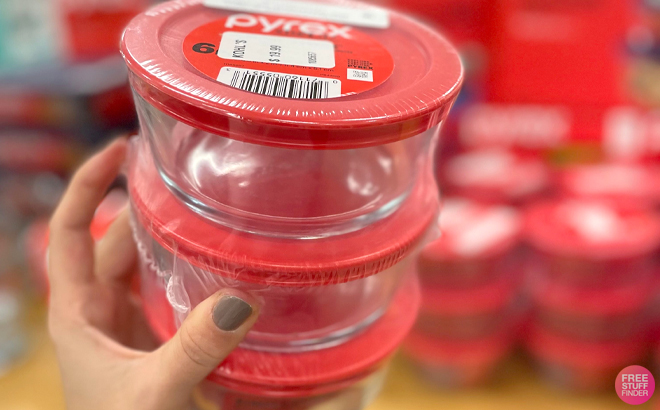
96, 324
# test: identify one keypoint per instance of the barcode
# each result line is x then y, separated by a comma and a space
280, 86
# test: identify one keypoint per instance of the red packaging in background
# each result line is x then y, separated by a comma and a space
560, 52
93, 28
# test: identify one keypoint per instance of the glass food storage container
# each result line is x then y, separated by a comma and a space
582, 365
479, 245
591, 242
458, 363
290, 126
345, 377
315, 293
470, 312
600, 313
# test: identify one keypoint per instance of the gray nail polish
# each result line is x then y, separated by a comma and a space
230, 313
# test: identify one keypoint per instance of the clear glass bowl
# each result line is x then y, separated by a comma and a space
283, 192
292, 319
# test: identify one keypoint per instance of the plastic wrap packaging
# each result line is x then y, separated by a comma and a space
289, 157
348, 376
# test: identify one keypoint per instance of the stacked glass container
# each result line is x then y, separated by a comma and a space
314, 206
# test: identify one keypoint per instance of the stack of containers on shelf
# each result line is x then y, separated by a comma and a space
592, 281
289, 157
494, 175
471, 301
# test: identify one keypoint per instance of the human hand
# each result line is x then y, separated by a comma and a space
96, 324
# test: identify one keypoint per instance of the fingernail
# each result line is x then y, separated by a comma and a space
230, 313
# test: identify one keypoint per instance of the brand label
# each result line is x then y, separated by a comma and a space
288, 57
364, 16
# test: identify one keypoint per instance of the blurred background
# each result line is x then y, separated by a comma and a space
546, 281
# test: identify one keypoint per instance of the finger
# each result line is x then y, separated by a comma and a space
71, 255
204, 340
116, 253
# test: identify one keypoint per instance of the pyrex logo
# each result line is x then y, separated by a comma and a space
306, 27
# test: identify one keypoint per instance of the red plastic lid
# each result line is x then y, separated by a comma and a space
619, 183
500, 173
317, 372
592, 229
471, 230
432, 350
489, 297
417, 96
584, 353
632, 296
278, 261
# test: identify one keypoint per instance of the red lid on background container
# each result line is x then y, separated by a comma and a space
629, 297
489, 297
495, 175
325, 370
471, 230
582, 353
591, 229
425, 80
278, 261
443, 352
622, 184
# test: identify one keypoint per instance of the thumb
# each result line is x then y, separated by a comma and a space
211, 331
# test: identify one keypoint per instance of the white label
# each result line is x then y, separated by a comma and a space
515, 125
264, 48
487, 231
361, 75
367, 16
280, 84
